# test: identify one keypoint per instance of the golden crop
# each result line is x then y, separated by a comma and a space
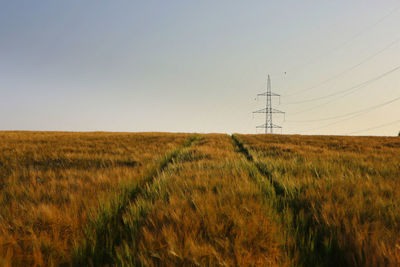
51, 182
339, 196
207, 211
193, 200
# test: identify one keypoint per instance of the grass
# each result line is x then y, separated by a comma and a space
204, 210
107, 231
338, 196
51, 184
102, 199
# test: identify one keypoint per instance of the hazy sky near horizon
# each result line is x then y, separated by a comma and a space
196, 66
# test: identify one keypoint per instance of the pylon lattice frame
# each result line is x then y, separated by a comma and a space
269, 126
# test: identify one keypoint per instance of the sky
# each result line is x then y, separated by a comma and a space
197, 66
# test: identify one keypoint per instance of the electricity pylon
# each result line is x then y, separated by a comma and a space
269, 110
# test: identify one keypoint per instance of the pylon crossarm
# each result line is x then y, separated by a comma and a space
277, 111
264, 110
270, 126
276, 126
268, 94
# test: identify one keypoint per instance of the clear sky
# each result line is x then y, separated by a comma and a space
196, 66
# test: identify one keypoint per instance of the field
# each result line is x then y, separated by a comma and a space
192, 200
52, 183
338, 197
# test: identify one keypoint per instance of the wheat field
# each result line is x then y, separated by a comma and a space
338, 196
51, 182
151, 199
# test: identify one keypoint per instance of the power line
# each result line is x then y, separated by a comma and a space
345, 71
375, 127
351, 113
353, 88
347, 41
360, 113
323, 104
